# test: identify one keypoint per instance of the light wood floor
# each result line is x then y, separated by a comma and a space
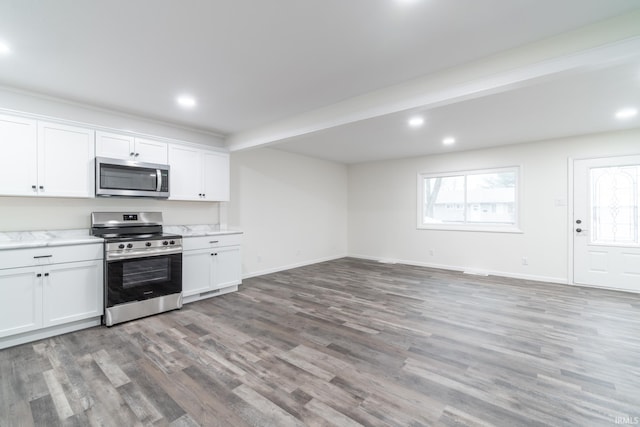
345, 343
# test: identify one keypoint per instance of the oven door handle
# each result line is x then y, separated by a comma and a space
158, 180
141, 254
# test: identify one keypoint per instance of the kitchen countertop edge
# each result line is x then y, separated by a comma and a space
42, 239
200, 230
44, 243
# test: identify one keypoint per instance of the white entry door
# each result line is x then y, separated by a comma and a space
606, 245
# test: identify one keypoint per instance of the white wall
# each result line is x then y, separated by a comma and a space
292, 209
44, 213
382, 208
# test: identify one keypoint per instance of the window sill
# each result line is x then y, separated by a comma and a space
475, 228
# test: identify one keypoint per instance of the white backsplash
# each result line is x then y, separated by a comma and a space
35, 213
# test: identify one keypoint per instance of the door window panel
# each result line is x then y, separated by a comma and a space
614, 204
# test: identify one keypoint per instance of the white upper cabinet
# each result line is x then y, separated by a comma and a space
185, 173
117, 146
18, 156
65, 161
216, 176
114, 146
198, 174
151, 151
45, 159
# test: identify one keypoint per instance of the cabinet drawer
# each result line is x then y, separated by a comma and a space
50, 255
203, 242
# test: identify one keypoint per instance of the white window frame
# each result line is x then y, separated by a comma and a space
484, 227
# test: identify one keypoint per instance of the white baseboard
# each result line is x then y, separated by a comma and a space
536, 278
610, 288
52, 331
290, 266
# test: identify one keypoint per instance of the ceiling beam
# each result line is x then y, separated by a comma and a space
601, 44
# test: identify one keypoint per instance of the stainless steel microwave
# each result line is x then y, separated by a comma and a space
127, 178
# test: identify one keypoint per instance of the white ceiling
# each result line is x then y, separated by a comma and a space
252, 62
570, 104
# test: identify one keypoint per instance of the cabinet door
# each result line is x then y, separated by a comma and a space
18, 158
196, 271
216, 176
20, 300
65, 161
228, 267
72, 291
114, 146
185, 175
150, 151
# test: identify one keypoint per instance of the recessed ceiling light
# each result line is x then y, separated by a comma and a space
416, 122
4, 48
186, 101
449, 141
626, 113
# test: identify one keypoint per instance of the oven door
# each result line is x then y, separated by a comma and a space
137, 279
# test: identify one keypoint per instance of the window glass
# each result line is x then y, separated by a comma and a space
471, 199
444, 199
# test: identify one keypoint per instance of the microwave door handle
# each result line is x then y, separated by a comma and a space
158, 179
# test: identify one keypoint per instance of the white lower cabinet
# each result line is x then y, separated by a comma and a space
48, 298
20, 300
227, 267
210, 264
196, 272
70, 292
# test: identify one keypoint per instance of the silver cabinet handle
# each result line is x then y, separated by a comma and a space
158, 179
41, 187
215, 241
137, 154
42, 256
131, 154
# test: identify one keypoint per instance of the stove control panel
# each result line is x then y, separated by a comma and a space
153, 247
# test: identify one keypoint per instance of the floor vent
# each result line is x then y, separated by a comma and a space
206, 294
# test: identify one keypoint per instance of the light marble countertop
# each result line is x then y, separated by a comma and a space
37, 239
43, 238
199, 230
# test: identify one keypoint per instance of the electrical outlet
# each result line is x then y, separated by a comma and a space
525, 260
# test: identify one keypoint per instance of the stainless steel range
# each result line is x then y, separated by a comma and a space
143, 265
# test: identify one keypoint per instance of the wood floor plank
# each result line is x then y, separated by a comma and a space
345, 342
